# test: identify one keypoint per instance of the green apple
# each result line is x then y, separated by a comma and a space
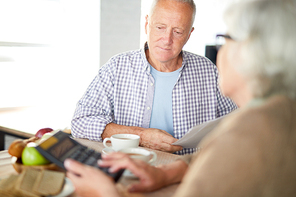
31, 156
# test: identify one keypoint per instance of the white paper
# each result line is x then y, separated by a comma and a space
197, 133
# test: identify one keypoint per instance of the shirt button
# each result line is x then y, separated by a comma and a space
151, 84
148, 108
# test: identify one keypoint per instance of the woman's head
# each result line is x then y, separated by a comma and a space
264, 47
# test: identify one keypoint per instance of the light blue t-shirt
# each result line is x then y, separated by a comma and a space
162, 113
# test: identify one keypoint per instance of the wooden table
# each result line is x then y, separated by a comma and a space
162, 158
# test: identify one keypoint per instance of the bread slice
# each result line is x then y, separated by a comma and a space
7, 186
26, 182
32, 183
49, 183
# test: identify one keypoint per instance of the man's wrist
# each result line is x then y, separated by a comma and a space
112, 129
140, 132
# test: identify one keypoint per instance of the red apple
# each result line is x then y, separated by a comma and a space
41, 132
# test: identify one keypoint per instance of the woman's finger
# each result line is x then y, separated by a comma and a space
112, 156
74, 166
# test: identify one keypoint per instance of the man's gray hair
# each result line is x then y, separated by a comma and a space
265, 31
189, 2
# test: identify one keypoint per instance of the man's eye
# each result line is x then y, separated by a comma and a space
178, 32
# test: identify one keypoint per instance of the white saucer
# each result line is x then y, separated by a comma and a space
129, 174
67, 189
107, 151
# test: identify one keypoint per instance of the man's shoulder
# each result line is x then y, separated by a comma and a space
198, 64
194, 56
127, 54
193, 59
123, 59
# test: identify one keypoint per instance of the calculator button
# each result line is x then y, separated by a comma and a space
97, 155
91, 161
82, 157
90, 151
75, 155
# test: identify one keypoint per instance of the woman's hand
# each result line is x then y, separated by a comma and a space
89, 181
150, 178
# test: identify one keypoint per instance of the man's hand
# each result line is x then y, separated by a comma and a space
159, 140
89, 181
151, 138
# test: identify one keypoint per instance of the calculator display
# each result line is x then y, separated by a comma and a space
62, 147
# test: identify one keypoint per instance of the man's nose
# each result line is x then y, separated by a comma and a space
168, 37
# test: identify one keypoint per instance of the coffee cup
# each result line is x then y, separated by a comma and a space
121, 141
141, 154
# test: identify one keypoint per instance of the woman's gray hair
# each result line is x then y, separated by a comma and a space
189, 2
265, 31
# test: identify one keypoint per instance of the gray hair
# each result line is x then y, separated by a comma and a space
265, 31
189, 2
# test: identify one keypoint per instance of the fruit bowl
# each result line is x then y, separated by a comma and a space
19, 167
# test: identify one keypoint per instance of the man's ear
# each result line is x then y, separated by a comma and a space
192, 29
146, 23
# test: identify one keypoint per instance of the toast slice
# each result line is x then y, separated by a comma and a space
25, 182
7, 186
32, 183
49, 183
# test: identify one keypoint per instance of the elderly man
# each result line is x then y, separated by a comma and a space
158, 92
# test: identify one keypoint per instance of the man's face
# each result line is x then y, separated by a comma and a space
168, 30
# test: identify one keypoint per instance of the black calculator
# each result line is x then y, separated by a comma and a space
60, 146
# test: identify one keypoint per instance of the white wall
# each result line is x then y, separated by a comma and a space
59, 72
120, 27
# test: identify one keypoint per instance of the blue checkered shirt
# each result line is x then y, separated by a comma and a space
122, 93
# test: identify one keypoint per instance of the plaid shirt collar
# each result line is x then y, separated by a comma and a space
146, 65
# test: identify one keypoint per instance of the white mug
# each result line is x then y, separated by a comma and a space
140, 153
120, 141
